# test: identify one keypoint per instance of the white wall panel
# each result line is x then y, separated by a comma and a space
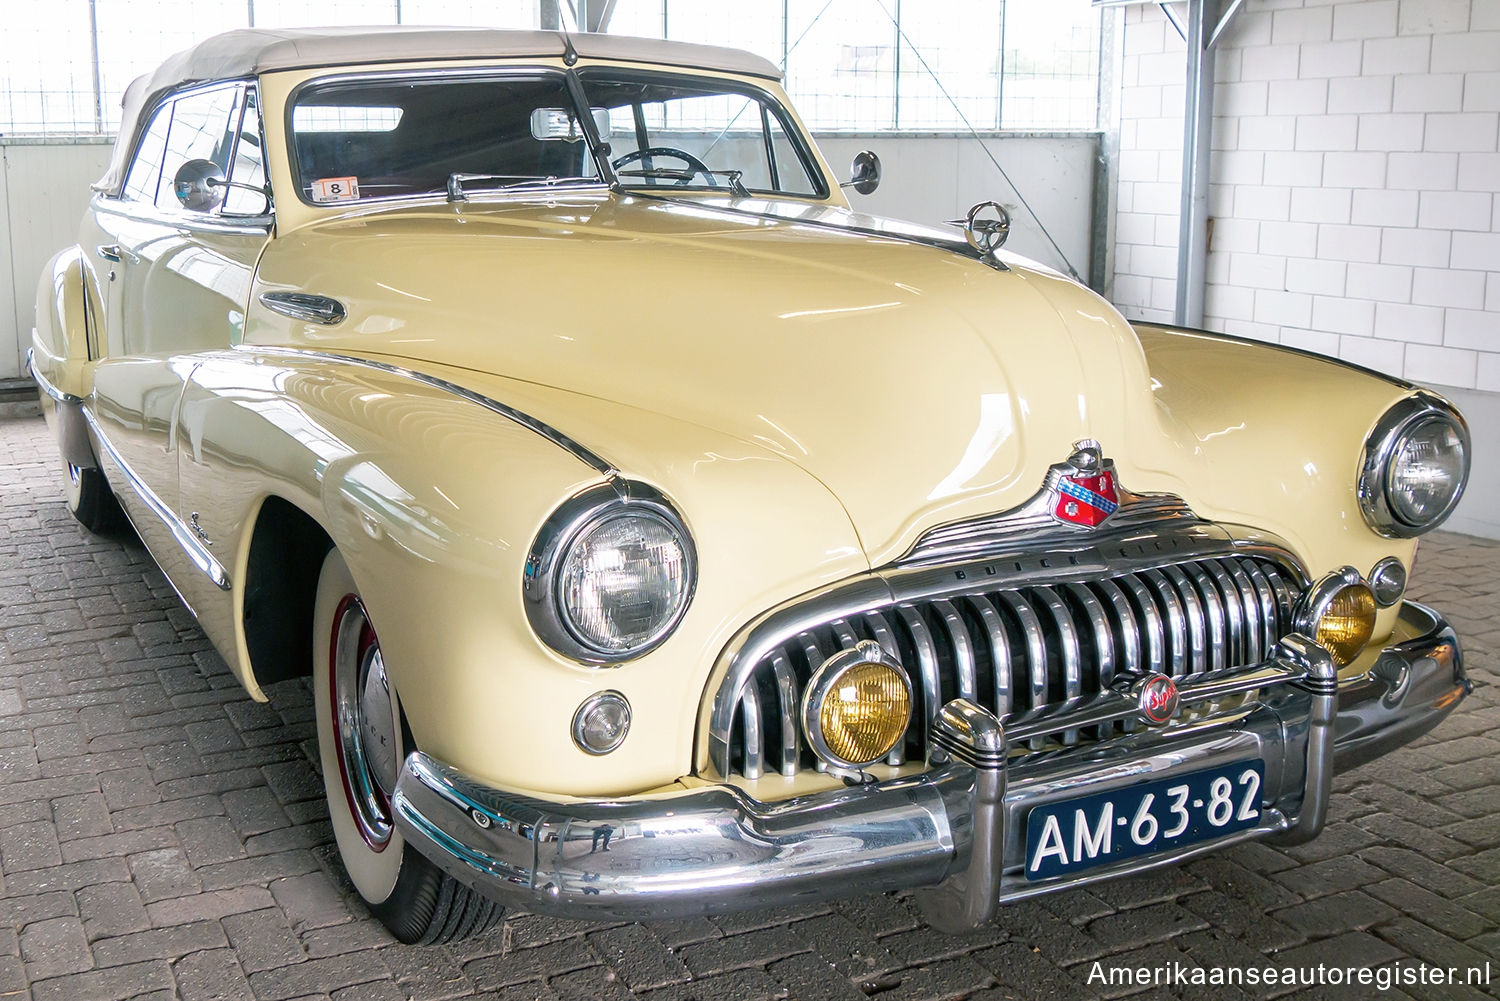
45, 190
932, 179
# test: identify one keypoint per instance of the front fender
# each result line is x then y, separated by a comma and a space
1271, 438
434, 503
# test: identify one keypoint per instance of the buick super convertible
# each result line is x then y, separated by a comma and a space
661, 536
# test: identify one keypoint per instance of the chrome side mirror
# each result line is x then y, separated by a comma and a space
864, 172
198, 185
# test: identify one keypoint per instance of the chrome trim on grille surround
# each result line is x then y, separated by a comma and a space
1061, 558
1033, 521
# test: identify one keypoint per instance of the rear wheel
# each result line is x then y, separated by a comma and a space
362, 740
90, 499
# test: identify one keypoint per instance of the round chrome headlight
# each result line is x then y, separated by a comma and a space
1415, 464
609, 576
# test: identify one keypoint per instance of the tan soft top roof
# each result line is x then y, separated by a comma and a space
249, 52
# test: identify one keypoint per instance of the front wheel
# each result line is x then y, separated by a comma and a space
362, 740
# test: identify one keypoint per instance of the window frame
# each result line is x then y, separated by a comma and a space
216, 219
769, 104
476, 73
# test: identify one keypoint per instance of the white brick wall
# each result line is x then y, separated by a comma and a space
1356, 181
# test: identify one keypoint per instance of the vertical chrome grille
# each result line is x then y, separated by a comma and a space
1021, 649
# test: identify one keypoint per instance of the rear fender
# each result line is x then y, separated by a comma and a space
62, 351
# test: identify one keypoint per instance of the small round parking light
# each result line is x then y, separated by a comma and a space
601, 723
1388, 581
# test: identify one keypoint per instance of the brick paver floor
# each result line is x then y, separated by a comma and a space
162, 835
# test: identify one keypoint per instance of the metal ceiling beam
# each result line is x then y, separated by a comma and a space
1205, 27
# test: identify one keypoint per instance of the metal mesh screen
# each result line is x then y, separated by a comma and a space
852, 65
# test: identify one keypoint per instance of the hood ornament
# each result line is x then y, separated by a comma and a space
986, 227
1085, 491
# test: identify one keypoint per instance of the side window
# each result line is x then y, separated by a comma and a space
145, 169
200, 131
248, 165
791, 175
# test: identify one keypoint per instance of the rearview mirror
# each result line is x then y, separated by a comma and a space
199, 186
554, 124
864, 172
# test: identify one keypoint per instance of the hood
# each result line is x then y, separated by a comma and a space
918, 385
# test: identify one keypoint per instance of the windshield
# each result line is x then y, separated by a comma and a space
679, 132
399, 135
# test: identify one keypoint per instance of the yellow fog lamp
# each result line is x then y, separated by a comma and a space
856, 707
1339, 613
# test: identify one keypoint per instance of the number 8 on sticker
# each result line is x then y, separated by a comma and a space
335, 189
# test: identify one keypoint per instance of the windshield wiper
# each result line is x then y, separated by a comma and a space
679, 174
456, 182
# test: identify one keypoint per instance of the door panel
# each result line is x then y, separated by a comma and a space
181, 282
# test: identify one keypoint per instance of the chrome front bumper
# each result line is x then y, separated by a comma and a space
958, 828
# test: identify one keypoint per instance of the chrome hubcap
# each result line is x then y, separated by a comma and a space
366, 737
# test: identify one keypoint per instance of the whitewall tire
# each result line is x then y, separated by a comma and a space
362, 740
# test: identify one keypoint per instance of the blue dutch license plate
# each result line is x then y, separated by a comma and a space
1076, 834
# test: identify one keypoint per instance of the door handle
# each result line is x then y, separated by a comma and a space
114, 252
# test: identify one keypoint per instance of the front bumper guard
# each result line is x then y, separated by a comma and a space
959, 827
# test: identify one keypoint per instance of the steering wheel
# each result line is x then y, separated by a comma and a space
697, 165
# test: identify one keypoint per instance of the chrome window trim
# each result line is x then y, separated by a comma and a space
196, 551
1380, 449
525, 420
576, 515
143, 125
260, 225
1063, 559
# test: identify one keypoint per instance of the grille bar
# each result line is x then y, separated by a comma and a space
1027, 650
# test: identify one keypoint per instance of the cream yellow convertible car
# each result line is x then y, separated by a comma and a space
663, 537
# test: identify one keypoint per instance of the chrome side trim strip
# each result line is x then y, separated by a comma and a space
526, 421
45, 385
185, 536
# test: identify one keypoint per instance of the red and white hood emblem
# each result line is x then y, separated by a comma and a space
1085, 493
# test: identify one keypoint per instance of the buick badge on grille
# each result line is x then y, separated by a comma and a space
1085, 493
